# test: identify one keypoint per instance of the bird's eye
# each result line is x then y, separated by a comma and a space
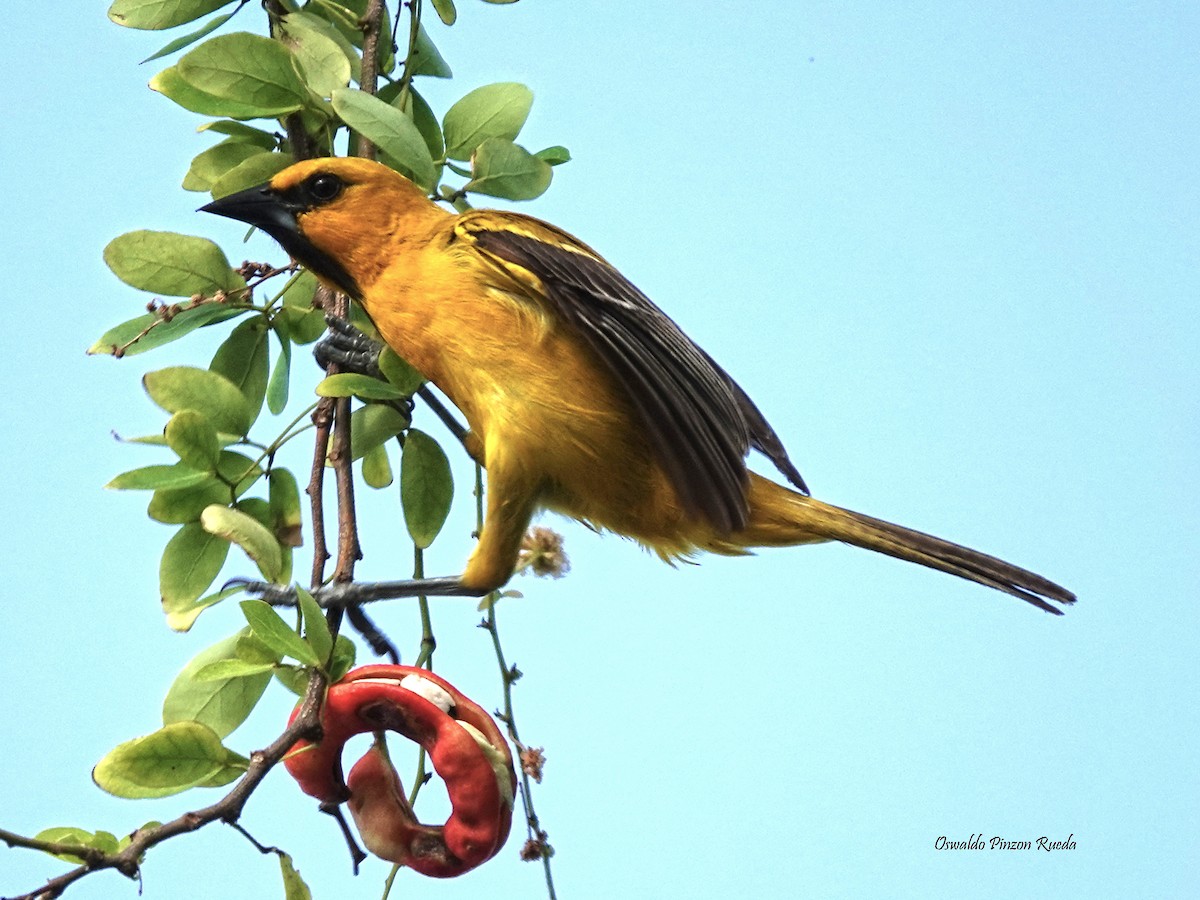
324, 187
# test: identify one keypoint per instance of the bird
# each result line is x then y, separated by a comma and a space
581, 396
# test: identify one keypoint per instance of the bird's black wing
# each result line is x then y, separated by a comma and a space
699, 422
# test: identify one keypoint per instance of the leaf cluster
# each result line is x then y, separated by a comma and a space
230, 425
310, 68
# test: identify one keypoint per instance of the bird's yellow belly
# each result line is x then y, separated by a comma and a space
532, 394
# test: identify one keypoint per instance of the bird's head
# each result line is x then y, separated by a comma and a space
331, 215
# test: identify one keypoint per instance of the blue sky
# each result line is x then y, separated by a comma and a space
952, 252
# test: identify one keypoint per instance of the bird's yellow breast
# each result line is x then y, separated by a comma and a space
527, 386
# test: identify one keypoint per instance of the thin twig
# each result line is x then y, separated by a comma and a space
341, 456
537, 837
322, 418
299, 141
89, 855
228, 809
255, 842
428, 641
371, 24
414, 29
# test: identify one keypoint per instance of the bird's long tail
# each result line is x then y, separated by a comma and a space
780, 517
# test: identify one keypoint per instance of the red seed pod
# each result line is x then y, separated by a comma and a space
465, 748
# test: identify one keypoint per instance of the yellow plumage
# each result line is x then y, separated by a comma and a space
581, 396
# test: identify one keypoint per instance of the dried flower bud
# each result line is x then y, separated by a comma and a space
536, 849
542, 552
532, 761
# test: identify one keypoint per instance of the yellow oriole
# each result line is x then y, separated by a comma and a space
581, 395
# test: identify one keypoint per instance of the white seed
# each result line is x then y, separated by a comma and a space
434, 693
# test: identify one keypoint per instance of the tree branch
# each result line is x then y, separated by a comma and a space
228, 809
372, 25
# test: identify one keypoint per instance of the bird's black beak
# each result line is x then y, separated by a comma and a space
278, 215
261, 207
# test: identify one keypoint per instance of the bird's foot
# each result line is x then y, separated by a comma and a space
352, 593
348, 347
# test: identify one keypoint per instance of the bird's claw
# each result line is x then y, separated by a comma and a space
349, 348
274, 594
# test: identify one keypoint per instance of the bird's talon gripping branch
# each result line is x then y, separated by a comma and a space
351, 593
275, 594
464, 745
349, 348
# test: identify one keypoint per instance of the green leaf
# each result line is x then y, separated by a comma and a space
304, 322
190, 562
238, 469
248, 69
191, 435
229, 669
172, 85
344, 652
426, 487
294, 887
221, 705
350, 384
299, 292
417, 109
178, 506
174, 265
269, 628
390, 130
316, 629
214, 162
243, 132
277, 386
294, 678
555, 156
373, 424
106, 841
376, 470
287, 557
158, 478
322, 60
188, 39
77, 837
344, 20
305, 325
493, 111
426, 58
155, 15
226, 774
446, 11
243, 358
162, 332
399, 373
182, 616
258, 509
252, 171
305, 21
385, 56
184, 387
174, 758
501, 168
500, 2
250, 649
284, 494
248, 533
